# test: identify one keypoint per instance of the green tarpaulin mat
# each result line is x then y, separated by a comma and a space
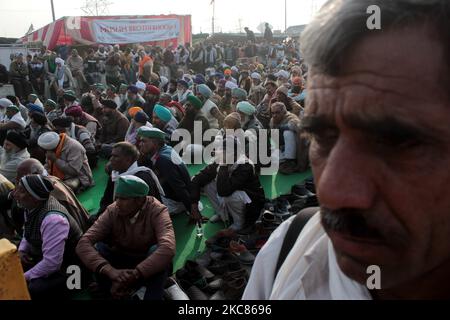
188, 245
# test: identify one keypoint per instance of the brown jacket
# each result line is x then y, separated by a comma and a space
115, 128
67, 198
153, 226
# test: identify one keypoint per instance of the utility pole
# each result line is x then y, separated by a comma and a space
285, 15
53, 10
213, 2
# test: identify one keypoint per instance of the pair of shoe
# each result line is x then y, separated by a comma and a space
205, 258
173, 291
300, 190
283, 208
309, 184
309, 198
231, 290
192, 291
225, 233
192, 276
242, 253
223, 263
194, 267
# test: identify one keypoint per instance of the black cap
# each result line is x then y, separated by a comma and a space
17, 139
108, 104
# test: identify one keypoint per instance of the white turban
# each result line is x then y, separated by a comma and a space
230, 85
140, 85
255, 75
60, 61
48, 140
5, 103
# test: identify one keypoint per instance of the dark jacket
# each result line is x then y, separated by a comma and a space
174, 178
242, 178
114, 128
188, 122
108, 195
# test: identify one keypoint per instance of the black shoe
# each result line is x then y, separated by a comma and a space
309, 184
193, 277
195, 267
193, 292
300, 190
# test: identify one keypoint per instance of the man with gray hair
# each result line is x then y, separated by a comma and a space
49, 239
76, 64
380, 148
288, 125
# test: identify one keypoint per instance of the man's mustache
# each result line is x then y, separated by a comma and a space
352, 222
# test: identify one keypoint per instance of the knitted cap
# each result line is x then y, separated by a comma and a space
38, 186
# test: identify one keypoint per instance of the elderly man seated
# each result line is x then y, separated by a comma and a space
60, 192
164, 120
196, 124
252, 131
169, 168
132, 244
293, 148
80, 134
84, 119
209, 109
114, 127
138, 119
231, 185
66, 159
237, 95
12, 121
52, 110
123, 162
50, 238
13, 152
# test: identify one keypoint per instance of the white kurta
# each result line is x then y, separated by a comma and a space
310, 271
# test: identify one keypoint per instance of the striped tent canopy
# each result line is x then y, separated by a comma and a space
155, 30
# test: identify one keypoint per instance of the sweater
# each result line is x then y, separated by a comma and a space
153, 226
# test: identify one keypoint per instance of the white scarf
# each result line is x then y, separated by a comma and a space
135, 169
310, 270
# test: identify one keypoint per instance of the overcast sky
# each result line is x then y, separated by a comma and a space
17, 15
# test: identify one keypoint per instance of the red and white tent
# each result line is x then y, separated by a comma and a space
158, 30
